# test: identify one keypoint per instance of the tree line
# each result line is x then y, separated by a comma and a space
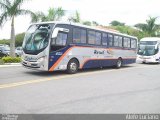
10, 10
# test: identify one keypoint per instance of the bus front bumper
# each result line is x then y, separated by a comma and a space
33, 65
147, 59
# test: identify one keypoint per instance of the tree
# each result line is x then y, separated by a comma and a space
10, 10
150, 27
117, 23
94, 23
54, 14
76, 18
129, 30
87, 23
19, 39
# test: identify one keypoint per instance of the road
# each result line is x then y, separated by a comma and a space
132, 89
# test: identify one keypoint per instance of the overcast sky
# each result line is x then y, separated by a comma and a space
102, 11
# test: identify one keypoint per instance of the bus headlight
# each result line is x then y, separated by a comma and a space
41, 59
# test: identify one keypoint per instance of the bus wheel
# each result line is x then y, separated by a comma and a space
119, 63
72, 66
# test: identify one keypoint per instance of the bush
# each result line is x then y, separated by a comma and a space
9, 59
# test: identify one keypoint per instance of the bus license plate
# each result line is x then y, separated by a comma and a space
29, 64
144, 60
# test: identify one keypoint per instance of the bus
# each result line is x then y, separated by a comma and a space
149, 50
52, 46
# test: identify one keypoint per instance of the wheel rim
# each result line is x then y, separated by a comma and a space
73, 67
119, 63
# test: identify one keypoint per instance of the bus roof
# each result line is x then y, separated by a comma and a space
151, 39
85, 26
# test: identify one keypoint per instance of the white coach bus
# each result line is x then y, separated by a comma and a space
52, 46
149, 50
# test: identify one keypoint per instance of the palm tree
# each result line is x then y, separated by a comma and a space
10, 10
54, 14
150, 27
76, 18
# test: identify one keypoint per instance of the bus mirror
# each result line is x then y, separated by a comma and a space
56, 30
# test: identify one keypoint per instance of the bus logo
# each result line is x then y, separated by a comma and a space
98, 52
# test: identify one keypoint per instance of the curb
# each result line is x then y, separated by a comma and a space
10, 65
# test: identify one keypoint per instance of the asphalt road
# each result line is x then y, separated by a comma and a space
132, 89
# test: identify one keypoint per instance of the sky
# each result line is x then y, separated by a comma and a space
130, 12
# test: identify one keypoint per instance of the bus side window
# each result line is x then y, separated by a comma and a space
116, 41
120, 41
79, 35
126, 42
59, 42
61, 39
104, 39
133, 43
98, 38
91, 37
110, 39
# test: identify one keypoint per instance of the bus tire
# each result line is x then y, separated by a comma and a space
119, 63
72, 66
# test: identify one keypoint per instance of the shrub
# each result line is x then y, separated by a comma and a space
9, 59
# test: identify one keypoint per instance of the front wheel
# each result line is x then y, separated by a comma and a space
119, 63
72, 66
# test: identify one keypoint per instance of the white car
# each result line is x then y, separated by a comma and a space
18, 51
5, 49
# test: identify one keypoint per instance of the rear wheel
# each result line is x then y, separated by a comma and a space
72, 66
119, 63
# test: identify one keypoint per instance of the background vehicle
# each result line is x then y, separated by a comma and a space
149, 50
18, 51
5, 49
2, 55
54, 46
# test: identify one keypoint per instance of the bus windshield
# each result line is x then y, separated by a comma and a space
148, 42
147, 50
37, 37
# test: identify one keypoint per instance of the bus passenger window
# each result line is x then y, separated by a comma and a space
116, 41
79, 35
120, 42
104, 39
98, 38
133, 43
110, 38
126, 42
61, 39
76, 35
83, 36
91, 37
